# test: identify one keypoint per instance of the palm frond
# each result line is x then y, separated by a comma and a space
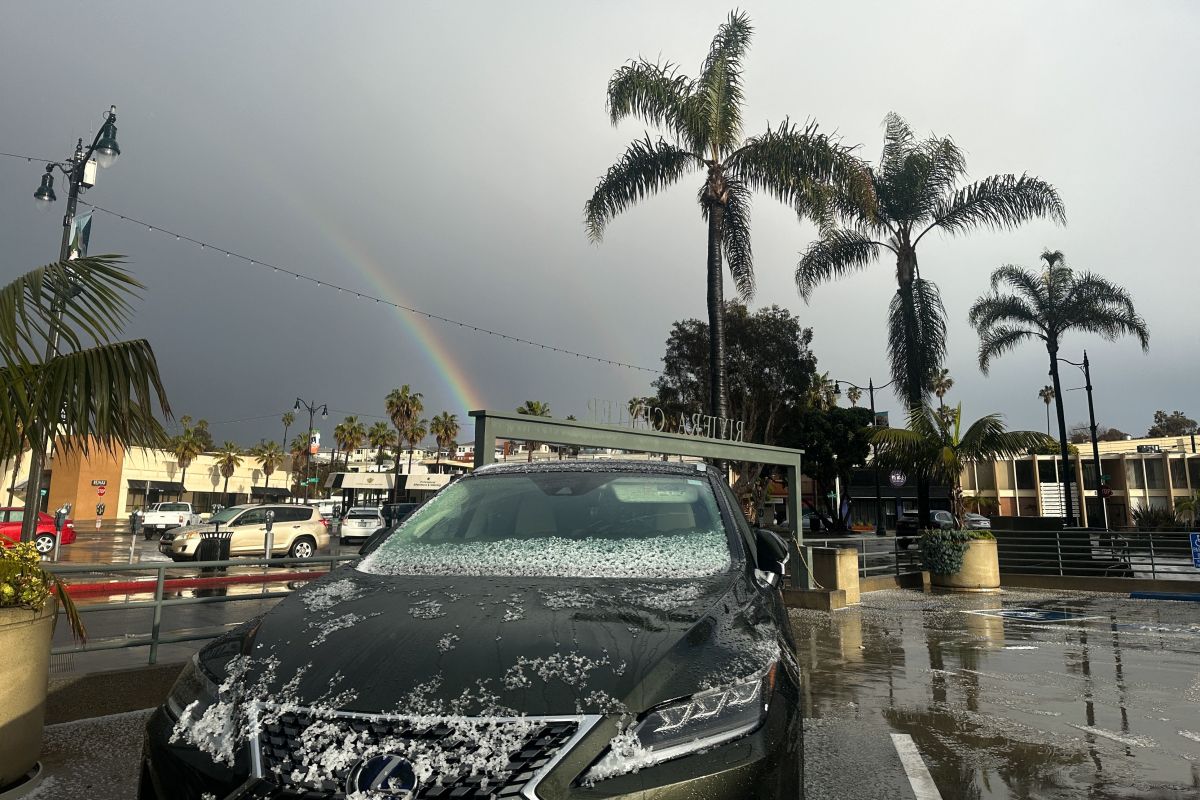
658, 95
720, 83
1000, 202
916, 339
997, 340
646, 168
987, 439
735, 239
1097, 305
837, 253
102, 395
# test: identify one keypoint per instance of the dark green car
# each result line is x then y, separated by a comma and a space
610, 630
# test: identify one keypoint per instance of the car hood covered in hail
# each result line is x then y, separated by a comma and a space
479, 645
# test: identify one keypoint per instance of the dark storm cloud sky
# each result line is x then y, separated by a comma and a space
439, 155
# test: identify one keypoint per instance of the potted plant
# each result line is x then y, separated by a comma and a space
28, 609
961, 560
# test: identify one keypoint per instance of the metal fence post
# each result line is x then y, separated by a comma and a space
1153, 570
157, 622
1058, 549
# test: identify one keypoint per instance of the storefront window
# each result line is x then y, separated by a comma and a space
1178, 473
1025, 474
1134, 477
1154, 474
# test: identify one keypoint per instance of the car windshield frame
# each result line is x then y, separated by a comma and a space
712, 520
227, 514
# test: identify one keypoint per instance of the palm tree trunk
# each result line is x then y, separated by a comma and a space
396, 488
1047, 419
913, 381
283, 444
225, 490
12, 485
1065, 474
716, 312
411, 446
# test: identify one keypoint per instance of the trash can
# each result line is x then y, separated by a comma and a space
214, 546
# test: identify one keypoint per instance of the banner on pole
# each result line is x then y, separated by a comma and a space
81, 232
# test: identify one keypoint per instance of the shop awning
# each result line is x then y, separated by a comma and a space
169, 487
379, 481
425, 483
270, 492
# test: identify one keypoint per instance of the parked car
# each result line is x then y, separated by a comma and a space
976, 522
360, 523
908, 526
613, 630
10, 530
161, 517
298, 531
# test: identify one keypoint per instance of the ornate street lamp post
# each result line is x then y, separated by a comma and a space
312, 409
880, 517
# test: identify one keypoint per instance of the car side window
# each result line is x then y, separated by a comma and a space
254, 516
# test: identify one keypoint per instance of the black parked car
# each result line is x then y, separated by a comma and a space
557, 630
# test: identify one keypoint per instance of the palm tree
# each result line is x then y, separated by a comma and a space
229, 458
379, 437
185, 447
1190, 506
356, 434
18, 459
1047, 395
916, 193
299, 450
289, 417
444, 429
854, 394
702, 118
414, 433
404, 407
937, 447
99, 391
534, 408
1045, 306
942, 383
270, 456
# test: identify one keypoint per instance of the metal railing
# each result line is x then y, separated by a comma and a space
877, 555
1153, 555
194, 570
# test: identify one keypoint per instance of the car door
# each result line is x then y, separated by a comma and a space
249, 532
10, 524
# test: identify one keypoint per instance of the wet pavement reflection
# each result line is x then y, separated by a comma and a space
1058, 695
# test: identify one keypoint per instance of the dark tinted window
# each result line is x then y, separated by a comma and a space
293, 513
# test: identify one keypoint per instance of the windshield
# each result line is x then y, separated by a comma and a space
565, 524
226, 514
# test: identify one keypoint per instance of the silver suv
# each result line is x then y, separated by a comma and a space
299, 531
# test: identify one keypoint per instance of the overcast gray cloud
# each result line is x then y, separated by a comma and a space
439, 155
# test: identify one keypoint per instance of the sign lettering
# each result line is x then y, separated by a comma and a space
641, 416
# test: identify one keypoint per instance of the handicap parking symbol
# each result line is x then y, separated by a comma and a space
1195, 537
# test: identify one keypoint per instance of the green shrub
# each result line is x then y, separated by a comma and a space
1150, 519
25, 583
942, 551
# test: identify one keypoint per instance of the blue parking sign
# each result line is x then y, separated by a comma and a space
1195, 537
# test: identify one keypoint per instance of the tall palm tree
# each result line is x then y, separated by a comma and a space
445, 430
415, 433
937, 447
18, 459
534, 408
98, 390
702, 120
186, 446
270, 456
289, 418
1046, 305
854, 394
299, 450
916, 193
356, 434
404, 407
942, 383
229, 458
379, 437
1047, 395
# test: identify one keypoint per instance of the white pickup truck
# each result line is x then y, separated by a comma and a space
164, 516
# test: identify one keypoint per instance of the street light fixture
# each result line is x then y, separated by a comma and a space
312, 409
880, 517
1086, 367
80, 172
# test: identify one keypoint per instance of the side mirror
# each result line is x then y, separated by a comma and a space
771, 556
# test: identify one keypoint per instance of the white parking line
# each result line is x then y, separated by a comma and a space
918, 774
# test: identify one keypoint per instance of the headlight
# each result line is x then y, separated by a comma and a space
191, 535
699, 722
192, 685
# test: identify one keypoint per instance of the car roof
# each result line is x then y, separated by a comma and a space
364, 508
655, 467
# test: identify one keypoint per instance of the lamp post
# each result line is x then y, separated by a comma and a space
80, 172
1100, 484
880, 517
312, 409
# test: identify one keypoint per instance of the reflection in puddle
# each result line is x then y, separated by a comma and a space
1102, 703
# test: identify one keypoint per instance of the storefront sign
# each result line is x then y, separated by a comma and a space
897, 478
100, 483
641, 416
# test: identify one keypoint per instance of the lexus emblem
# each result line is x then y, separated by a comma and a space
388, 775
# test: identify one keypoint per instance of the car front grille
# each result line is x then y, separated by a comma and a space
281, 759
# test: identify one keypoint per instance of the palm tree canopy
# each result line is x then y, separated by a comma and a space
288, 419
229, 458
269, 456
702, 121
403, 405
1047, 394
102, 391
380, 435
937, 445
915, 190
445, 429
1049, 304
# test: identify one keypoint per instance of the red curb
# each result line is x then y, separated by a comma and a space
147, 586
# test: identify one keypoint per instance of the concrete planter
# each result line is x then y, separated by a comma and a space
980, 570
25, 665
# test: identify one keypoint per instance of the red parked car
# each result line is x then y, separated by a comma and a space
10, 530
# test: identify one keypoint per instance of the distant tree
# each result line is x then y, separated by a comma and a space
202, 435
229, 458
1173, 424
1047, 395
301, 455
1046, 306
379, 437
917, 192
702, 118
1105, 434
1081, 433
941, 384
269, 456
444, 428
415, 433
534, 408
834, 441
185, 446
349, 434
404, 407
289, 418
854, 394
942, 451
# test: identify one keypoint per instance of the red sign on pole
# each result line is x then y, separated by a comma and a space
99, 491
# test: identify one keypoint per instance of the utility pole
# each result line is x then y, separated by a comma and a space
312, 409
